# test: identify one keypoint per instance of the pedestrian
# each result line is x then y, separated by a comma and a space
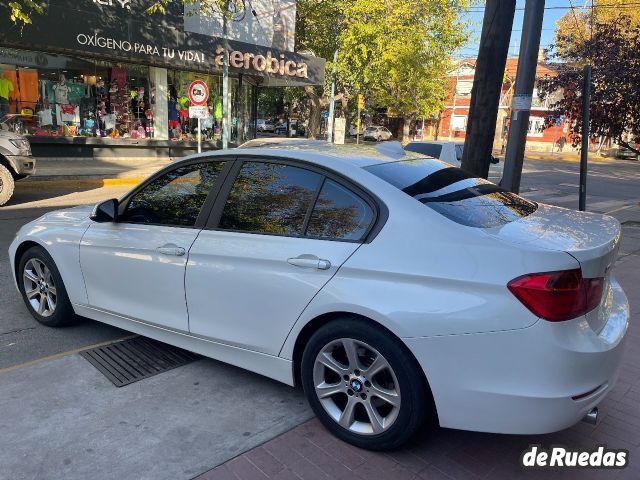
561, 141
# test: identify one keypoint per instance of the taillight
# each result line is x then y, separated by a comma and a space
558, 296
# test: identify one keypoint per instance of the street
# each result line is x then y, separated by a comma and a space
62, 419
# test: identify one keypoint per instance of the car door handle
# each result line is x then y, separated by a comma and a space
171, 249
310, 261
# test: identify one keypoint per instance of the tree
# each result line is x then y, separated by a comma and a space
613, 50
575, 26
397, 52
20, 11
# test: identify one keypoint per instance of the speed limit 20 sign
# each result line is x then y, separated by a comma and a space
198, 93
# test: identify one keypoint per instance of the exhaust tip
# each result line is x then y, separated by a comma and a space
591, 417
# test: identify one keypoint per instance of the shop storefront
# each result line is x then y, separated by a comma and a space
105, 78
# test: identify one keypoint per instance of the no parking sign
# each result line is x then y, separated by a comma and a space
198, 93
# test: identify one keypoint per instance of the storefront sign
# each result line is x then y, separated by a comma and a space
198, 93
113, 32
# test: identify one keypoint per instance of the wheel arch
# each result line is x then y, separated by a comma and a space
319, 321
22, 248
4, 161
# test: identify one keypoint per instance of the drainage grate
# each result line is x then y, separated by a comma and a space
136, 358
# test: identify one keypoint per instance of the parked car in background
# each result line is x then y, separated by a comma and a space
296, 128
377, 133
264, 125
625, 153
16, 161
451, 153
396, 289
353, 131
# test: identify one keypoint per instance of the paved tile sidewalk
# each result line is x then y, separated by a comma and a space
310, 452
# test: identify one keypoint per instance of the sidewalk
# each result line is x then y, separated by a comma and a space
62, 172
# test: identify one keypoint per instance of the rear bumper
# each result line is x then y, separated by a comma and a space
522, 381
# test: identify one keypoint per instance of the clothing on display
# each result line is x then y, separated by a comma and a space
61, 93
6, 87
45, 117
67, 114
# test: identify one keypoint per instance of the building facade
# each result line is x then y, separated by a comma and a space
106, 77
544, 129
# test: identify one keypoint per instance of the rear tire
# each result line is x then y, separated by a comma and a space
42, 289
7, 185
364, 385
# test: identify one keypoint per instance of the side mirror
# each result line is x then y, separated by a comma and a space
106, 211
494, 160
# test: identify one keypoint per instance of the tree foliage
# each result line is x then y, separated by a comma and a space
20, 11
574, 27
613, 50
397, 52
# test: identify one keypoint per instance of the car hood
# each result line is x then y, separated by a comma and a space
72, 215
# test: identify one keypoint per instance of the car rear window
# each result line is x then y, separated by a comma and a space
454, 193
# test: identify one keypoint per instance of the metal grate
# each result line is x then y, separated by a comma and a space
136, 358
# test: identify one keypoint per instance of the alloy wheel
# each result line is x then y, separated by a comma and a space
356, 386
39, 287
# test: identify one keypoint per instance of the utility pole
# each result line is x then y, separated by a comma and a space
584, 150
332, 100
522, 96
487, 84
225, 79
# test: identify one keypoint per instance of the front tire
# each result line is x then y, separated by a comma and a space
364, 385
42, 289
7, 185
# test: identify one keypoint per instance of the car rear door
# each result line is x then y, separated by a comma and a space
135, 267
278, 233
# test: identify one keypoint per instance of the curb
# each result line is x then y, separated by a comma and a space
81, 182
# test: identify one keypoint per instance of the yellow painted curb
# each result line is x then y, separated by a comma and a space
89, 182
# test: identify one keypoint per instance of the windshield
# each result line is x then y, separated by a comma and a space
454, 193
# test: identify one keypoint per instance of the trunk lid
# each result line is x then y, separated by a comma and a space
592, 239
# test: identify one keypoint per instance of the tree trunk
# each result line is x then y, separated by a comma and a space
315, 115
406, 129
487, 84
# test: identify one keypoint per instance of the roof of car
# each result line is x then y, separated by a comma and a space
359, 155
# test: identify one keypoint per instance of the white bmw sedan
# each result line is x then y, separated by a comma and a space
395, 290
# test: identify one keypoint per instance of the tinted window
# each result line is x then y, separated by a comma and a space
270, 198
455, 194
339, 214
431, 149
175, 198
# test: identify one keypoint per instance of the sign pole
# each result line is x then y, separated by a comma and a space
199, 137
225, 80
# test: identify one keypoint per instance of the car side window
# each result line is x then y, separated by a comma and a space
175, 198
271, 198
339, 214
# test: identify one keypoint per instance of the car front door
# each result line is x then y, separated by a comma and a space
272, 243
135, 267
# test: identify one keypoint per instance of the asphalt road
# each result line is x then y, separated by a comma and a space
613, 187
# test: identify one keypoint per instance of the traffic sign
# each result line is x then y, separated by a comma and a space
199, 111
360, 101
198, 93
325, 115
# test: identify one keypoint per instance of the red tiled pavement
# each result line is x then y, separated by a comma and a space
310, 452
